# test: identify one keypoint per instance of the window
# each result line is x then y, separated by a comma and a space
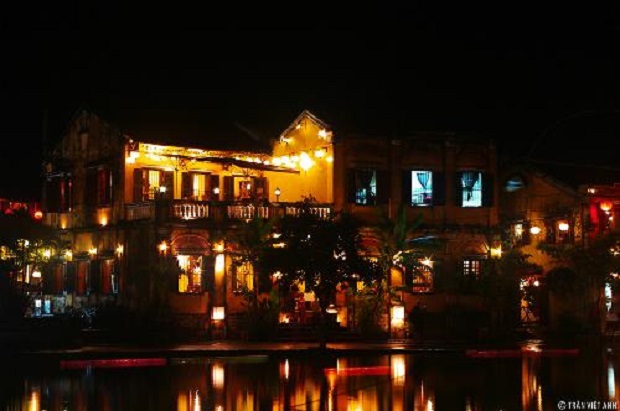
195, 186
190, 278
58, 192
108, 277
243, 277
474, 189
472, 267
514, 183
421, 188
150, 184
519, 233
422, 281
471, 186
363, 186
98, 186
104, 187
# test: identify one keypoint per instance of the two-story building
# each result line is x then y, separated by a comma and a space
552, 205
125, 205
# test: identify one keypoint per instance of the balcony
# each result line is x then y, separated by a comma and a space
186, 210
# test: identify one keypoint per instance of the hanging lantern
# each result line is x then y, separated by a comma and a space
606, 205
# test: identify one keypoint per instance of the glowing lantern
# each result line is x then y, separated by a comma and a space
535, 230
606, 205
38, 214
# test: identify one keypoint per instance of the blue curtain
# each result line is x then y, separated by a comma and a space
469, 179
423, 177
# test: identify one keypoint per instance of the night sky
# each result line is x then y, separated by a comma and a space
529, 77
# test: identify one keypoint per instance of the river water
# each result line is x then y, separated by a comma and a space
528, 379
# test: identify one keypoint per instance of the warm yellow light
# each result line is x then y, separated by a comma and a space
217, 313
319, 153
563, 226
606, 205
496, 251
331, 309
398, 312
329, 159
535, 230
322, 133
163, 246
216, 190
92, 251
103, 221
398, 369
519, 230
162, 189
47, 253
305, 162
427, 262
36, 273
69, 254
217, 376
120, 249
219, 264
130, 160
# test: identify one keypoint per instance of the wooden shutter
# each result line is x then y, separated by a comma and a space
104, 187
384, 190
53, 195
90, 191
106, 276
351, 185
71, 277
94, 278
208, 273
138, 185
262, 193
168, 182
406, 192
487, 184
439, 188
186, 185
229, 188
47, 277
66, 193
458, 189
80, 281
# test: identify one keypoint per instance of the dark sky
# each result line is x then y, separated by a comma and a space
510, 72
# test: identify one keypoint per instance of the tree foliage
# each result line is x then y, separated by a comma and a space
321, 253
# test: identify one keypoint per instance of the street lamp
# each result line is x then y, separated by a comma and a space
277, 192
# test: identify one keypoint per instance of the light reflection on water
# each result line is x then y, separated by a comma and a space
397, 382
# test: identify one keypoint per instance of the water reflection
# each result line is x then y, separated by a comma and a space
399, 382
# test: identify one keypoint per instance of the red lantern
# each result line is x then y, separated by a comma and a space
606, 205
38, 214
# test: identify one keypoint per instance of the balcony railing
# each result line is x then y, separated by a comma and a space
139, 211
190, 210
201, 210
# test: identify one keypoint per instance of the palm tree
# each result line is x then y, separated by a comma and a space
399, 248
